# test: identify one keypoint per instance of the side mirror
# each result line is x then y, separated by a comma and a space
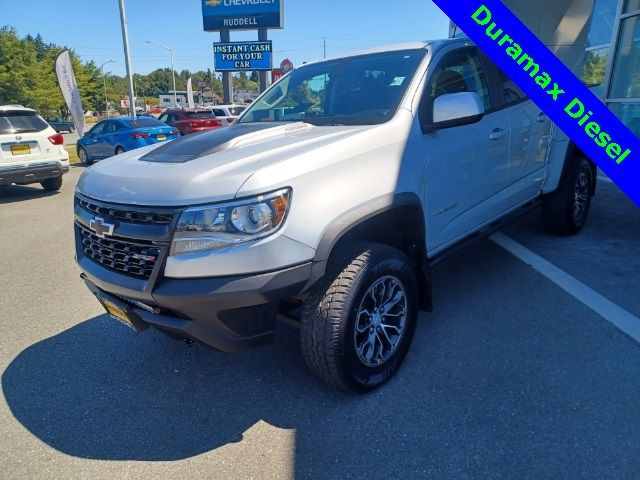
456, 109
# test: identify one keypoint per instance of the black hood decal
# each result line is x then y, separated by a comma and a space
199, 145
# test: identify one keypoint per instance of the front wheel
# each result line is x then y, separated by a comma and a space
565, 211
358, 325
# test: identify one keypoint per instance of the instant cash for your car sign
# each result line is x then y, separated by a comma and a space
242, 56
242, 14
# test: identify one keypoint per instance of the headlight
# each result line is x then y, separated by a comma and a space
224, 225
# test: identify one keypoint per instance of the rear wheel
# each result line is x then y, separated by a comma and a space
84, 158
52, 184
565, 211
72, 129
358, 325
120, 150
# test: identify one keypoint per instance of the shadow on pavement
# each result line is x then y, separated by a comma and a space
502, 382
18, 193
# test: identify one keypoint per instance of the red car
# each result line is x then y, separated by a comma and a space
190, 120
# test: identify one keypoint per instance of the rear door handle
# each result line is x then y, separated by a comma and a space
497, 134
541, 118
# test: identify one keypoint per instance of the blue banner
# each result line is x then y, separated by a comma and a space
241, 14
552, 86
242, 56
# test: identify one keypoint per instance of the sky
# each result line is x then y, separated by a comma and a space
92, 29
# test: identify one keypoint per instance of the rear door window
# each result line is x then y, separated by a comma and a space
21, 122
511, 92
98, 129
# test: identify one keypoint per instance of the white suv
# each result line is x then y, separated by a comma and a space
326, 204
228, 113
31, 151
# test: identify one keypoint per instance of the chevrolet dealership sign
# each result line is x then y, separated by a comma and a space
242, 14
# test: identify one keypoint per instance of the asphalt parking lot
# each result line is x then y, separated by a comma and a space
510, 377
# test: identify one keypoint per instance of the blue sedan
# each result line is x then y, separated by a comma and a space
118, 135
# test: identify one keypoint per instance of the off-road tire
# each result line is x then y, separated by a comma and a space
52, 184
558, 208
328, 323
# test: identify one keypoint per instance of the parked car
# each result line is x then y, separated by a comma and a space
190, 120
228, 113
61, 125
31, 151
326, 204
118, 135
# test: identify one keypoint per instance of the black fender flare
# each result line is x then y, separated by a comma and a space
357, 216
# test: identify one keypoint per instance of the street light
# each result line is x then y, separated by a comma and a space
173, 72
104, 78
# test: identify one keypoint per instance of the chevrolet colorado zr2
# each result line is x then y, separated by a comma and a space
326, 204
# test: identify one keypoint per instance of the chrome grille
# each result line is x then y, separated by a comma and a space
126, 214
131, 258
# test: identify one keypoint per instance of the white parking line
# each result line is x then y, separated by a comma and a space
611, 312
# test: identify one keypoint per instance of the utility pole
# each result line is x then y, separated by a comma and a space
227, 79
127, 59
104, 78
324, 46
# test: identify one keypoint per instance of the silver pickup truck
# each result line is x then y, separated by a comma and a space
326, 204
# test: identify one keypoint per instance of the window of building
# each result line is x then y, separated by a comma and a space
631, 6
629, 113
599, 44
603, 22
625, 81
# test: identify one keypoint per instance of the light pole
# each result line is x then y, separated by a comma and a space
173, 72
127, 59
104, 78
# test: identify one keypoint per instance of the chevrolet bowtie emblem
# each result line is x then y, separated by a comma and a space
101, 228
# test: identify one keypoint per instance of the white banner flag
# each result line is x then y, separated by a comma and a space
69, 87
190, 94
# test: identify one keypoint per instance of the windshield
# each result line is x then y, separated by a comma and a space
200, 115
143, 122
20, 122
363, 90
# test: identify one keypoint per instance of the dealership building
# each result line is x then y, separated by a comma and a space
598, 39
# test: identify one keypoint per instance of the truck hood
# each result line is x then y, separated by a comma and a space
205, 167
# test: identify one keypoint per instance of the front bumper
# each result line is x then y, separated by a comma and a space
33, 172
231, 314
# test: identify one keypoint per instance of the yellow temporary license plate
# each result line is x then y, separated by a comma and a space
20, 149
161, 137
117, 313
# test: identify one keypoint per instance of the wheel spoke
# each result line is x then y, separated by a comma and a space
392, 302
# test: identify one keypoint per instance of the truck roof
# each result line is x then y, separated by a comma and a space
398, 47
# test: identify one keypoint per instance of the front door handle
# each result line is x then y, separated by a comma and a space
541, 118
497, 134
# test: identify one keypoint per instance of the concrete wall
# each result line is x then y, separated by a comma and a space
562, 25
